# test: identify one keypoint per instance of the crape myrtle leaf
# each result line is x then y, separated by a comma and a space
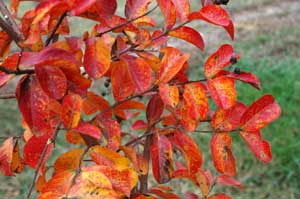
71, 109
68, 161
191, 196
111, 130
34, 105
219, 196
260, 148
4, 78
57, 186
169, 12
163, 194
243, 76
218, 60
158, 39
116, 21
33, 150
187, 112
94, 103
5, 42
86, 128
79, 6
139, 125
17, 163
6, 156
260, 113
222, 90
182, 9
161, 157
203, 182
173, 60
142, 39
151, 59
228, 119
77, 83
212, 14
145, 21
122, 84
195, 97
140, 73
190, 35
189, 149
121, 110
155, 109
169, 94
228, 181
130, 153
230, 29
141, 196
221, 149
52, 80
41, 180
74, 137
136, 8
97, 57
104, 156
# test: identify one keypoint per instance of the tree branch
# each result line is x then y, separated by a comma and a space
40, 162
52, 34
8, 96
16, 72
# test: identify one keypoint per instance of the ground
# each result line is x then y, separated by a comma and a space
267, 38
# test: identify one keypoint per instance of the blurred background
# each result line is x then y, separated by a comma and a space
268, 40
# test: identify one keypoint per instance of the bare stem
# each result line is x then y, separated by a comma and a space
53, 32
8, 96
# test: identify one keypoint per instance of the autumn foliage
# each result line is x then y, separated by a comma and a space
145, 119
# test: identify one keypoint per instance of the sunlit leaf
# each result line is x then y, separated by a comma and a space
169, 94
71, 109
169, 12
68, 161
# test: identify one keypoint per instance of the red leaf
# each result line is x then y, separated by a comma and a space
171, 64
230, 29
190, 35
6, 156
5, 42
97, 57
187, 119
228, 119
222, 90
52, 80
260, 113
122, 84
212, 14
218, 60
34, 105
111, 130
195, 97
88, 129
155, 109
33, 150
182, 9
163, 194
223, 158
189, 149
139, 125
169, 12
191, 196
169, 94
161, 157
260, 148
71, 109
245, 77
228, 181
93, 103
136, 8
79, 6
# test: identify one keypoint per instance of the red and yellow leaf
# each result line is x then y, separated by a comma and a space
68, 161
260, 113
6, 156
155, 109
228, 181
71, 110
169, 94
182, 9
161, 157
260, 148
219, 196
169, 12
86, 128
93, 103
221, 149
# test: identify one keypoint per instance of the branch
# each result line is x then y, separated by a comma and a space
126, 23
16, 72
8, 96
43, 154
6, 137
9, 30
52, 34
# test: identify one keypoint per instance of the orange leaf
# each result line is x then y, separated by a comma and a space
169, 12
97, 57
161, 157
136, 8
222, 90
151, 59
190, 35
71, 109
260, 148
228, 119
219, 196
68, 161
163, 194
6, 156
93, 103
260, 113
86, 128
189, 149
52, 80
17, 164
171, 64
218, 60
169, 94
223, 158
203, 183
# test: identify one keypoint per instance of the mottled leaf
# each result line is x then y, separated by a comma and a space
71, 109
68, 161
169, 94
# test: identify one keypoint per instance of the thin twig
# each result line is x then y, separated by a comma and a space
6, 137
53, 32
126, 23
8, 96
16, 72
41, 160
10, 31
